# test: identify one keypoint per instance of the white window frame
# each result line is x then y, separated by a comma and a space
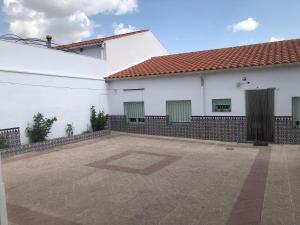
189, 111
221, 99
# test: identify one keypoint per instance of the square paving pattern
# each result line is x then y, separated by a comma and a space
144, 180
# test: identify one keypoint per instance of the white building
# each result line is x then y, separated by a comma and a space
119, 51
63, 84
232, 94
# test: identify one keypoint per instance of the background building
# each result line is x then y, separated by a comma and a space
233, 94
237, 94
64, 84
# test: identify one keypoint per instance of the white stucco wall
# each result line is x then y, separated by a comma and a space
54, 83
285, 80
158, 90
23, 58
62, 84
121, 53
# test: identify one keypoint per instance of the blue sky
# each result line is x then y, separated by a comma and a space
193, 25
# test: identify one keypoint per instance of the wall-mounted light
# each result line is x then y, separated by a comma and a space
101, 45
244, 81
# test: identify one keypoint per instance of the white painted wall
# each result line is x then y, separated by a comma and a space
54, 83
66, 85
62, 84
285, 80
18, 57
158, 90
121, 53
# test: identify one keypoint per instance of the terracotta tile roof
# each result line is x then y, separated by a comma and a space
271, 53
95, 41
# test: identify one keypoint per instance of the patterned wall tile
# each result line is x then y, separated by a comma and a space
52, 143
222, 128
11, 136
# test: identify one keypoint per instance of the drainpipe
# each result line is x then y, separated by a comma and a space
203, 95
49, 39
3, 212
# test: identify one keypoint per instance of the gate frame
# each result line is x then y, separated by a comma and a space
3, 210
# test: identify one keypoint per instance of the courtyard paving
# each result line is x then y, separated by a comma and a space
145, 180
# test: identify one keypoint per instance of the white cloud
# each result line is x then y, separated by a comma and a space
65, 20
249, 24
121, 29
273, 39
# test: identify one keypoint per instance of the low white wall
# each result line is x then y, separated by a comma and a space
158, 90
18, 57
60, 84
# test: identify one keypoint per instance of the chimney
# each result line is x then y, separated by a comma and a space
49, 39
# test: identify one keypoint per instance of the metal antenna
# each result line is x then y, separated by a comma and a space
28, 41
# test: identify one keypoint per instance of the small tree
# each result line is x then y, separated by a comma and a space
40, 128
98, 121
93, 118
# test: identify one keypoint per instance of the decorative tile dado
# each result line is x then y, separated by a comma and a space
11, 136
213, 128
52, 143
284, 132
221, 128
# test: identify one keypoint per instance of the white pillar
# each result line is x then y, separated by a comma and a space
3, 212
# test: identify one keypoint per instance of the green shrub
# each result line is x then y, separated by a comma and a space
98, 121
40, 128
69, 129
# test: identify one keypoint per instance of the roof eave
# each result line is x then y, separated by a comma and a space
101, 40
78, 47
202, 71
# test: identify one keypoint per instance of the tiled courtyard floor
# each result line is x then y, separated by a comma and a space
142, 180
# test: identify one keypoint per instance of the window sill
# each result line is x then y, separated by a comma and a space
135, 123
221, 111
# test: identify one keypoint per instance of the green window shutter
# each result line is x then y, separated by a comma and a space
179, 111
221, 105
296, 111
134, 111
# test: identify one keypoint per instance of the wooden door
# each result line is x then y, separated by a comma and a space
260, 113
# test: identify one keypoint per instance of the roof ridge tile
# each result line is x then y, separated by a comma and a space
96, 40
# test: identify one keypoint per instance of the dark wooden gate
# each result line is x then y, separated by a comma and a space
260, 112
